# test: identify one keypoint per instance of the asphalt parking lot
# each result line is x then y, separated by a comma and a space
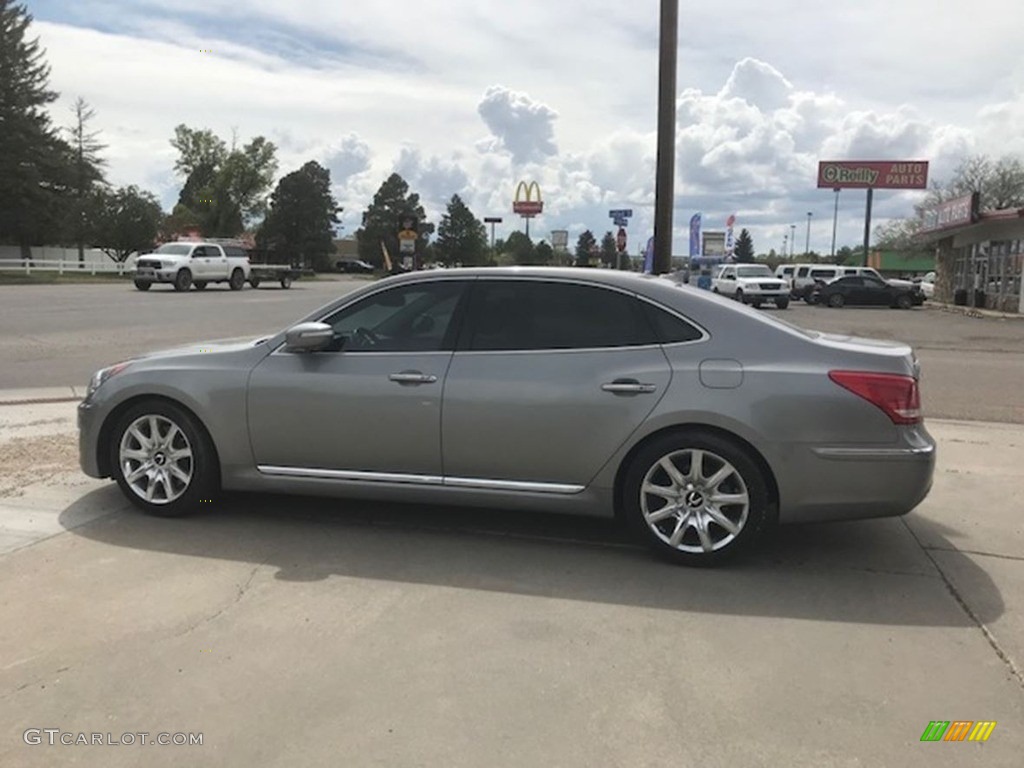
314, 632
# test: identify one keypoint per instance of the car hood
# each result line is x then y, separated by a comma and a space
237, 344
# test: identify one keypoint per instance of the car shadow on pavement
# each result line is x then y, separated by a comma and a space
872, 572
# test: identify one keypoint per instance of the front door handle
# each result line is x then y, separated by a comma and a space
628, 387
412, 377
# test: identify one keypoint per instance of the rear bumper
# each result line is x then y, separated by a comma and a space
855, 482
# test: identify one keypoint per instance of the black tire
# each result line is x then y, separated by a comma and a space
836, 300
237, 280
904, 301
183, 280
204, 480
740, 297
782, 302
646, 464
254, 282
143, 285
286, 282
200, 285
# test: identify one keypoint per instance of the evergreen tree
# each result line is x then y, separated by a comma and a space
609, 250
744, 251
584, 243
302, 217
461, 237
35, 163
87, 174
382, 219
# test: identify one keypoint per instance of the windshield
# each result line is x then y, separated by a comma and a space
754, 270
174, 249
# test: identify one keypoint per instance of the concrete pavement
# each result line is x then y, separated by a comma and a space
316, 632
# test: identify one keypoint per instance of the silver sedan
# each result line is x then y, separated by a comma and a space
699, 422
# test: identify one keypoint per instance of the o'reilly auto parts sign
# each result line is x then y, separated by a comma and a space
888, 174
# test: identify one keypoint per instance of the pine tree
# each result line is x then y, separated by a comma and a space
461, 237
34, 161
382, 219
744, 251
584, 243
302, 217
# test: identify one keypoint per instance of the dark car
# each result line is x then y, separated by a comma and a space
864, 290
354, 266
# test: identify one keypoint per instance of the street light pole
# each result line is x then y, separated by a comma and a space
664, 191
792, 240
807, 242
835, 220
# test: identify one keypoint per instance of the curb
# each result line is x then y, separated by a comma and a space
954, 309
41, 395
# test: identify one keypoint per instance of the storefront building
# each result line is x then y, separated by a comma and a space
979, 254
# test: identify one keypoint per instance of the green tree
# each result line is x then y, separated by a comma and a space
382, 219
87, 173
225, 189
461, 236
520, 248
609, 250
744, 251
35, 163
584, 243
543, 254
302, 217
124, 221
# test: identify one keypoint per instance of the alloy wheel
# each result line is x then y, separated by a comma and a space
695, 501
156, 459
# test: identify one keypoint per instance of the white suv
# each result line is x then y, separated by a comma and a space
185, 264
751, 284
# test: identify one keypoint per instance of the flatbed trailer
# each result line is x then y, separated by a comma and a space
278, 273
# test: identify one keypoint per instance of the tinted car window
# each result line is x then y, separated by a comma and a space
669, 328
234, 252
851, 281
802, 272
199, 252
514, 315
824, 273
414, 318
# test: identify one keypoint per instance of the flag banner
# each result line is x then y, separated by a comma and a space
695, 236
649, 257
730, 241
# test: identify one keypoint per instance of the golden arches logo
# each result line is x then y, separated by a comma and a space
527, 201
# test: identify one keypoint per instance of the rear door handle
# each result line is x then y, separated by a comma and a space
412, 377
628, 387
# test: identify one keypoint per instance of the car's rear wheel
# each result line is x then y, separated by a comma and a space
286, 282
695, 497
200, 285
782, 302
162, 459
903, 301
142, 285
183, 280
237, 280
836, 300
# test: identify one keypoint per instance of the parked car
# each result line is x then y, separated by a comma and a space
865, 290
184, 264
751, 284
927, 285
698, 421
354, 266
806, 276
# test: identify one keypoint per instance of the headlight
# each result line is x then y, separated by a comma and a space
101, 376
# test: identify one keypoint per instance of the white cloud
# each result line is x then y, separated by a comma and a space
523, 127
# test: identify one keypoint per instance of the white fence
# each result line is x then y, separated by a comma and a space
66, 266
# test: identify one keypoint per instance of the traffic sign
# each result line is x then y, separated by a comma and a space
493, 220
620, 240
620, 222
622, 213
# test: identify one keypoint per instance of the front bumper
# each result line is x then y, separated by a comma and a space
155, 275
89, 424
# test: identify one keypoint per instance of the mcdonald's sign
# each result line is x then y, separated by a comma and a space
527, 201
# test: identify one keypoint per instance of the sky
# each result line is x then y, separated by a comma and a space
468, 98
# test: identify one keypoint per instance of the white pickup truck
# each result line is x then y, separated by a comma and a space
751, 284
185, 264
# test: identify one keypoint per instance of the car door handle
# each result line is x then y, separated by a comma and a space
628, 387
412, 377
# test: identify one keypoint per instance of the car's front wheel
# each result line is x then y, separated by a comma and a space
695, 497
782, 302
237, 280
162, 459
740, 297
183, 280
904, 301
836, 300
142, 285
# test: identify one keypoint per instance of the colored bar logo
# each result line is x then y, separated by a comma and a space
958, 730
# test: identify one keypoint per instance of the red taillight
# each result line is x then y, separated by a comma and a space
897, 395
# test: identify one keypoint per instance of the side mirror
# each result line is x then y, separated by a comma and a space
308, 337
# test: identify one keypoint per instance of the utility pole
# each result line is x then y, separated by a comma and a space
835, 220
867, 227
664, 191
792, 240
807, 243
492, 220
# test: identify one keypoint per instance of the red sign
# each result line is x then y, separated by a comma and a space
855, 174
527, 201
620, 239
953, 213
